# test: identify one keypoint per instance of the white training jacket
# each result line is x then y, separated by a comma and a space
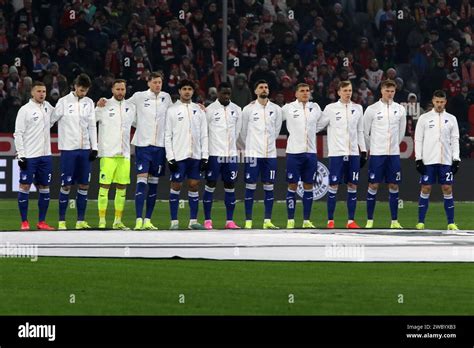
76, 123
345, 128
186, 132
384, 127
115, 122
437, 138
261, 126
32, 138
224, 124
150, 117
302, 123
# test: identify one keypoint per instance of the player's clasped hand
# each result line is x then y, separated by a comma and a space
22, 163
203, 165
93, 155
455, 166
363, 159
173, 165
420, 167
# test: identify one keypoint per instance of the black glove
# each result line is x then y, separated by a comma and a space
455, 166
173, 165
420, 167
93, 155
203, 165
22, 163
363, 159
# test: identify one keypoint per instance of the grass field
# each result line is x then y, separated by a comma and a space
156, 287
408, 216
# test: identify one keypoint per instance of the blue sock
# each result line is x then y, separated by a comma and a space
193, 198
63, 202
371, 199
207, 201
81, 204
269, 199
449, 207
393, 202
43, 203
23, 204
151, 198
249, 193
423, 203
331, 203
307, 203
351, 202
229, 200
140, 196
174, 204
291, 203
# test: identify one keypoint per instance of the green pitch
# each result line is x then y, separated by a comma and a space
84, 286
408, 215
81, 286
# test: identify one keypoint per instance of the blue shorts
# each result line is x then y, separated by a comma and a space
385, 167
226, 167
75, 167
437, 173
344, 169
188, 168
265, 167
301, 166
38, 171
150, 159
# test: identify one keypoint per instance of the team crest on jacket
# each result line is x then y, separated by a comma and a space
321, 184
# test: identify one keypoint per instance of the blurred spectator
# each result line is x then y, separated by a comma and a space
374, 75
55, 80
452, 84
241, 93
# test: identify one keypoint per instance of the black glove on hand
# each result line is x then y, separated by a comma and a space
93, 155
455, 166
203, 165
22, 163
420, 167
363, 159
173, 165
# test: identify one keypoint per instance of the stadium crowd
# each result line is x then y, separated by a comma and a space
422, 45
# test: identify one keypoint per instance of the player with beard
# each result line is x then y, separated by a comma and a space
261, 124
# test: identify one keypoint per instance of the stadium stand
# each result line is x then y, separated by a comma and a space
425, 45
